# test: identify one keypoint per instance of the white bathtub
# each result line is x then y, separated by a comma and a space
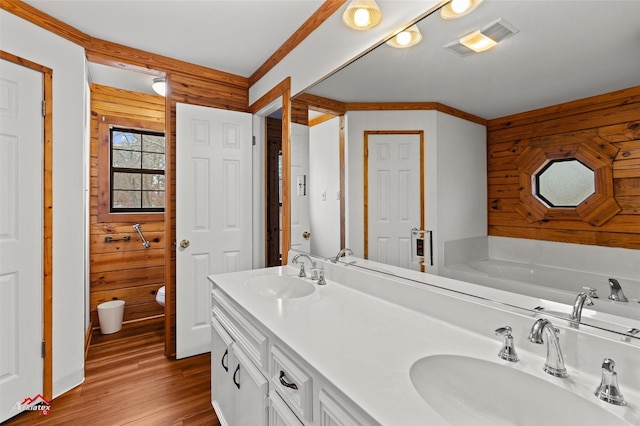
551, 285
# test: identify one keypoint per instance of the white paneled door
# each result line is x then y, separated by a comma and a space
21, 235
393, 179
300, 204
213, 213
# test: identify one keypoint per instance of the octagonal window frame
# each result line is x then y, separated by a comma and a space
595, 153
547, 166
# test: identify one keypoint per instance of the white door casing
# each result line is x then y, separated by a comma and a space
21, 236
213, 213
300, 204
393, 203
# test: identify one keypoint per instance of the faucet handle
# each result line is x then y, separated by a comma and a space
592, 294
608, 390
508, 351
321, 280
302, 273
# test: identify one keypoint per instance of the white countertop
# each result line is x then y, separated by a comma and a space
365, 346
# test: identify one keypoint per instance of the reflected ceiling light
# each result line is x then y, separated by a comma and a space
477, 41
457, 8
362, 14
406, 38
160, 86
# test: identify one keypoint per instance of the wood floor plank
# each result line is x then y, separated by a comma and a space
128, 381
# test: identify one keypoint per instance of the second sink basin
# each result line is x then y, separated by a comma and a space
280, 286
465, 391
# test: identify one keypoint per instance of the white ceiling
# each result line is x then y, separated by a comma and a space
564, 49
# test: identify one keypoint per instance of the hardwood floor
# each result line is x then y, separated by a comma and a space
128, 381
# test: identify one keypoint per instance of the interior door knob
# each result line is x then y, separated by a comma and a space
184, 243
306, 235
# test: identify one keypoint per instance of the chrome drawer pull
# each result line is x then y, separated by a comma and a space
286, 384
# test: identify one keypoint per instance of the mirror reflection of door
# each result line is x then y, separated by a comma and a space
273, 188
300, 179
394, 194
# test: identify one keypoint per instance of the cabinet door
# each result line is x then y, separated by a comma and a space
223, 392
334, 413
279, 413
251, 391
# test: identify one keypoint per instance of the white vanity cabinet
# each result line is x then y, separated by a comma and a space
238, 389
256, 379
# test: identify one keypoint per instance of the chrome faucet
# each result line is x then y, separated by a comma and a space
341, 253
555, 363
302, 273
608, 390
616, 291
581, 300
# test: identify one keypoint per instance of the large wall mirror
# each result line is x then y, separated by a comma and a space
557, 52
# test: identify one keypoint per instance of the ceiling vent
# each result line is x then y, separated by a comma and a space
496, 31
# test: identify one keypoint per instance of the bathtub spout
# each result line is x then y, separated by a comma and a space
616, 291
581, 299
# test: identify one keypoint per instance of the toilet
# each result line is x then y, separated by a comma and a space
160, 296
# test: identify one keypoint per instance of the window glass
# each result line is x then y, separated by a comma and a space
137, 171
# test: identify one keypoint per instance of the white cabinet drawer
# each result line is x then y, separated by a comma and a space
254, 343
292, 383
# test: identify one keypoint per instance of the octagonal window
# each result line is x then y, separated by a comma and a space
564, 183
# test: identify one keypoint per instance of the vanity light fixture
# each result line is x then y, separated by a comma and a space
406, 38
457, 8
362, 14
478, 42
160, 86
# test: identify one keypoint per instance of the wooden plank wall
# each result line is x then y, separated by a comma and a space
223, 91
124, 270
614, 117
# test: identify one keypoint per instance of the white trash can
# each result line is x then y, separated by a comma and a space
111, 315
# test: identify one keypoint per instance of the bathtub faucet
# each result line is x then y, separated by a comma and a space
616, 291
344, 251
581, 300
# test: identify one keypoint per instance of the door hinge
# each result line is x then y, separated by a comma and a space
44, 108
253, 140
44, 348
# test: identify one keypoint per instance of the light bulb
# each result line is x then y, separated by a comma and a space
403, 38
362, 18
460, 6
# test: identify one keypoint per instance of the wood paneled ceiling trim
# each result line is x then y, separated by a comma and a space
413, 106
327, 9
320, 104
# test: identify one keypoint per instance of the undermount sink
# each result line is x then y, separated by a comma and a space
465, 391
280, 286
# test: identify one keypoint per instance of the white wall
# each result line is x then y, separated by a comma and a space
69, 79
462, 180
324, 176
455, 174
